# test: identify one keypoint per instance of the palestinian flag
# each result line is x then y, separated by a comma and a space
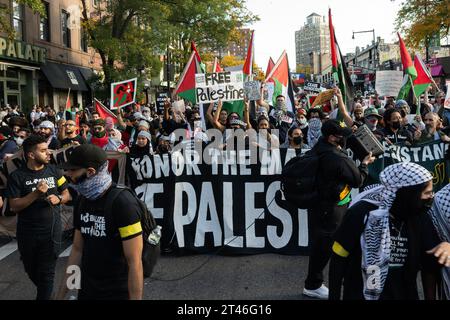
248, 65
421, 83
281, 76
197, 56
104, 111
339, 69
216, 66
186, 85
408, 65
270, 66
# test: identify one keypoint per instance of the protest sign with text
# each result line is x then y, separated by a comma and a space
388, 83
225, 86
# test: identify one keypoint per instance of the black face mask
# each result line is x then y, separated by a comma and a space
342, 142
427, 204
396, 125
297, 140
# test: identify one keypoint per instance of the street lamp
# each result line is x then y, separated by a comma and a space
374, 58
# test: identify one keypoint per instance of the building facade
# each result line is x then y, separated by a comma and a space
312, 40
48, 58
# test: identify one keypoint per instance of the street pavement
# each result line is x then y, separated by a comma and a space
196, 277
189, 278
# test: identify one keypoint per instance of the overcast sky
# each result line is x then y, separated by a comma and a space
279, 19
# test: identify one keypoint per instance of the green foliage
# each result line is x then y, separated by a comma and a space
130, 35
421, 20
5, 12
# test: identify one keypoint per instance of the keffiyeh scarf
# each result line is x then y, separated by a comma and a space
376, 240
314, 131
92, 188
440, 215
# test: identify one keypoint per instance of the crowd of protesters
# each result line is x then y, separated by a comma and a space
145, 130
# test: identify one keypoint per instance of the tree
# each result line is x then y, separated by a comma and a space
231, 61
125, 33
131, 35
212, 24
422, 20
5, 12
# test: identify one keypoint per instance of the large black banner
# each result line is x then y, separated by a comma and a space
229, 203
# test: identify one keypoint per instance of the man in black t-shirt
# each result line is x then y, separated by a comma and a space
107, 245
71, 138
34, 192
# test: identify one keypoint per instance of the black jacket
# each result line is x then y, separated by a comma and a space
337, 171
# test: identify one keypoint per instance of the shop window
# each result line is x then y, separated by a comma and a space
44, 24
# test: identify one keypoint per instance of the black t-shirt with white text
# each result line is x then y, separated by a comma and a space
104, 267
38, 216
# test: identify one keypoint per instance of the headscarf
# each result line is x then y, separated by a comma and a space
440, 215
376, 239
314, 131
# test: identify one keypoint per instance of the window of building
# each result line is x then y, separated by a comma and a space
44, 24
83, 38
65, 29
18, 19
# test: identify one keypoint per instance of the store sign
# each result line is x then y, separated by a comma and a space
18, 50
72, 77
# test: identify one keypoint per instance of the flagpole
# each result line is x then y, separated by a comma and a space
415, 97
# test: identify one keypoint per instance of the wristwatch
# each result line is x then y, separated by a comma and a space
60, 197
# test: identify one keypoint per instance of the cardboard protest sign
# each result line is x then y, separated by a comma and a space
123, 93
323, 97
252, 90
225, 86
388, 83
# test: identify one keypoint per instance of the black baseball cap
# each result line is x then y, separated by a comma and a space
85, 156
335, 128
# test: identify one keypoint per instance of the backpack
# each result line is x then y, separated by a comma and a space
150, 251
299, 181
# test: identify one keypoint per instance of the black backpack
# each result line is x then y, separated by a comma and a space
299, 181
150, 252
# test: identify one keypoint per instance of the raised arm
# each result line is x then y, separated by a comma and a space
343, 109
216, 122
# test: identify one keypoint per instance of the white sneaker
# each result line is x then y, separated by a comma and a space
321, 293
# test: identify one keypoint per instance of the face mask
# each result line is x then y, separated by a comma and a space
281, 105
303, 121
371, 125
297, 140
427, 204
396, 125
19, 141
342, 142
99, 134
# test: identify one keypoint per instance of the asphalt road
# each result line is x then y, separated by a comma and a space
198, 277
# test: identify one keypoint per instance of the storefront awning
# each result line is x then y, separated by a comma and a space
87, 75
437, 71
63, 76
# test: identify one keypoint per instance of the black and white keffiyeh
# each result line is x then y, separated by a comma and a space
376, 240
314, 131
440, 215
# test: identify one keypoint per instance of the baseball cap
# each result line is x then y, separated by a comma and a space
372, 112
85, 156
336, 128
